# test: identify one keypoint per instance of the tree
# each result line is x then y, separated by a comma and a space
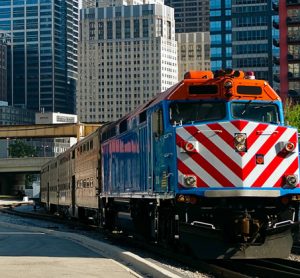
20, 149
292, 114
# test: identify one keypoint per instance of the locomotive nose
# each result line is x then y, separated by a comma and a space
239, 153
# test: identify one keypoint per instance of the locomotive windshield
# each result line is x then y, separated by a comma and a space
255, 111
200, 111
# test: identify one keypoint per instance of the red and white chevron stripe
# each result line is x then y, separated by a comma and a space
216, 164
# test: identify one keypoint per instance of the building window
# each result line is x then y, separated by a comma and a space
127, 29
159, 27
199, 50
118, 29
216, 52
136, 28
109, 30
145, 28
183, 52
100, 31
191, 52
169, 31
92, 30
215, 26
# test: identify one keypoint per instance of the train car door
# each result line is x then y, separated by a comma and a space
159, 145
73, 195
48, 195
143, 158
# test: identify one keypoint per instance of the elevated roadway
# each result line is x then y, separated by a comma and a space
47, 130
22, 165
13, 172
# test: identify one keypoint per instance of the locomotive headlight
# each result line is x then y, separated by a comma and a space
289, 146
240, 147
240, 142
240, 137
228, 85
190, 181
189, 147
291, 180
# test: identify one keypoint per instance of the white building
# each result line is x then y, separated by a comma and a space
193, 52
55, 146
88, 3
55, 118
126, 55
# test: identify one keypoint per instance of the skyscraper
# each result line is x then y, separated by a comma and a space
242, 36
289, 43
126, 54
42, 57
220, 34
252, 37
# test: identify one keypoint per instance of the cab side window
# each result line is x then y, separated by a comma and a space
157, 120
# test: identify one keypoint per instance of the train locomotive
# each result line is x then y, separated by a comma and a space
208, 165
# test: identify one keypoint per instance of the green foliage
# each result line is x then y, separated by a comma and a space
292, 114
20, 149
28, 181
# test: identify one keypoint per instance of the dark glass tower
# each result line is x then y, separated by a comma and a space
42, 57
252, 37
242, 36
220, 34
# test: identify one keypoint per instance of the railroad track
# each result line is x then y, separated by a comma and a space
263, 268
217, 268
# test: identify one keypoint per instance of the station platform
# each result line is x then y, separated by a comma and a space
109, 261
10, 202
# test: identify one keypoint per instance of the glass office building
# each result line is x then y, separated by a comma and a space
252, 37
242, 36
220, 34
42, 54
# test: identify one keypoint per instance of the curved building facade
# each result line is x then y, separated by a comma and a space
42, 54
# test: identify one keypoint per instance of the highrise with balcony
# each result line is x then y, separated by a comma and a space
42, 56
127, 54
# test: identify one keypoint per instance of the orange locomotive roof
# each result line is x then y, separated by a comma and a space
227, 85
235, 85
